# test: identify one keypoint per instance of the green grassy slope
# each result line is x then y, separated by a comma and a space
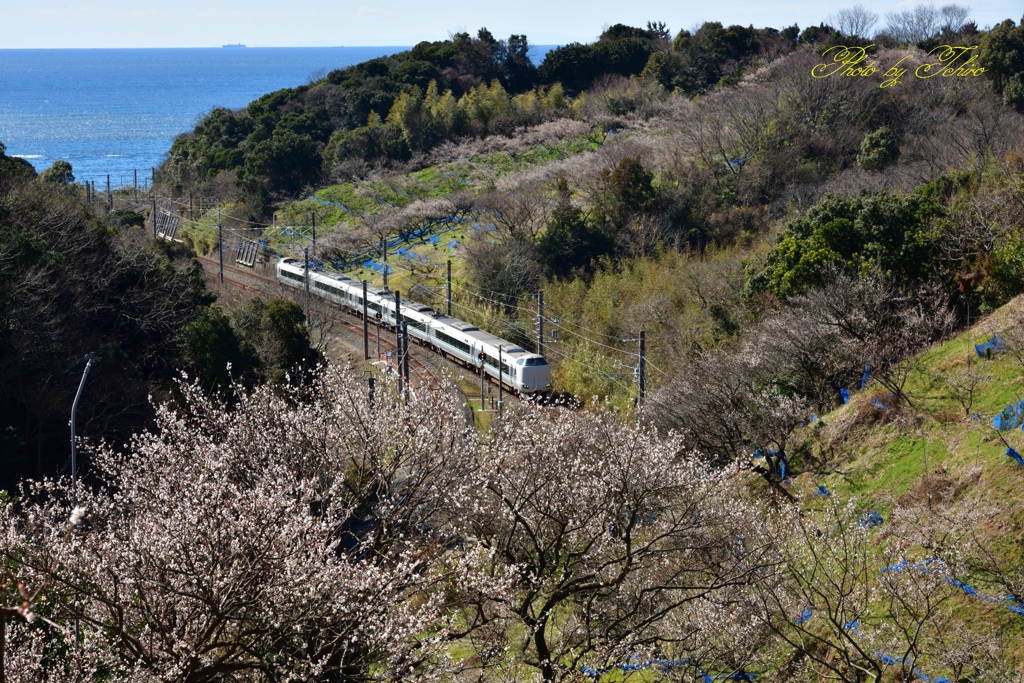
898, 456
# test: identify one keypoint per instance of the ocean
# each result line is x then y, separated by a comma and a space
117, 111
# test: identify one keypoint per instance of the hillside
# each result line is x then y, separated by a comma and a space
935, 492
812, 488
945, 445
671, 206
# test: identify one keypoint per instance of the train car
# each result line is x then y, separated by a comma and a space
517, 369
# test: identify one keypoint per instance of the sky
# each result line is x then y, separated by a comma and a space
272, 23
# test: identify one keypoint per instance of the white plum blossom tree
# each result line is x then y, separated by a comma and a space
288, 537
610, 529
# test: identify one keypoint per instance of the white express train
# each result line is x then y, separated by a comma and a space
521, 371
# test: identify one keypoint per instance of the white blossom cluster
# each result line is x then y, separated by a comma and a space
311, 535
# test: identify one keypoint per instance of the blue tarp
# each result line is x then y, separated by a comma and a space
845, 394
1010, 417
872, 519
993, 345
664, 665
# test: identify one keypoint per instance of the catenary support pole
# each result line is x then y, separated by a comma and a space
366, 327
642, 369
540, 322
448, 290
398, 337
305, 277
405, 357
220, 246
501, 383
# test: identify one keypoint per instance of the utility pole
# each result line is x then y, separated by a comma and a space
190, 216
540, 322
366, 327
448, 291
88, 199
220, 246
481, 356
110, 197
501, 395
135, 182
641, 376
154, 218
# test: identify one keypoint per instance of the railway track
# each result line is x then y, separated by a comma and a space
242, 278
426, 367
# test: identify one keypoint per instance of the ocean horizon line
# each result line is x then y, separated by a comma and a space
205, 47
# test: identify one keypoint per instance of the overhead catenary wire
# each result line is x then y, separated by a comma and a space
554, 322
521, 328
578, 331
533, 312
614, 379
551, 351
649, 364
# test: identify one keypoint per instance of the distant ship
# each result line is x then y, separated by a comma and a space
234, 45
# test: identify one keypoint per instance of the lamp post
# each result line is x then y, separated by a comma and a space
90, 359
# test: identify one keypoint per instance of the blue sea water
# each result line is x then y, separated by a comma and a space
116, 111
